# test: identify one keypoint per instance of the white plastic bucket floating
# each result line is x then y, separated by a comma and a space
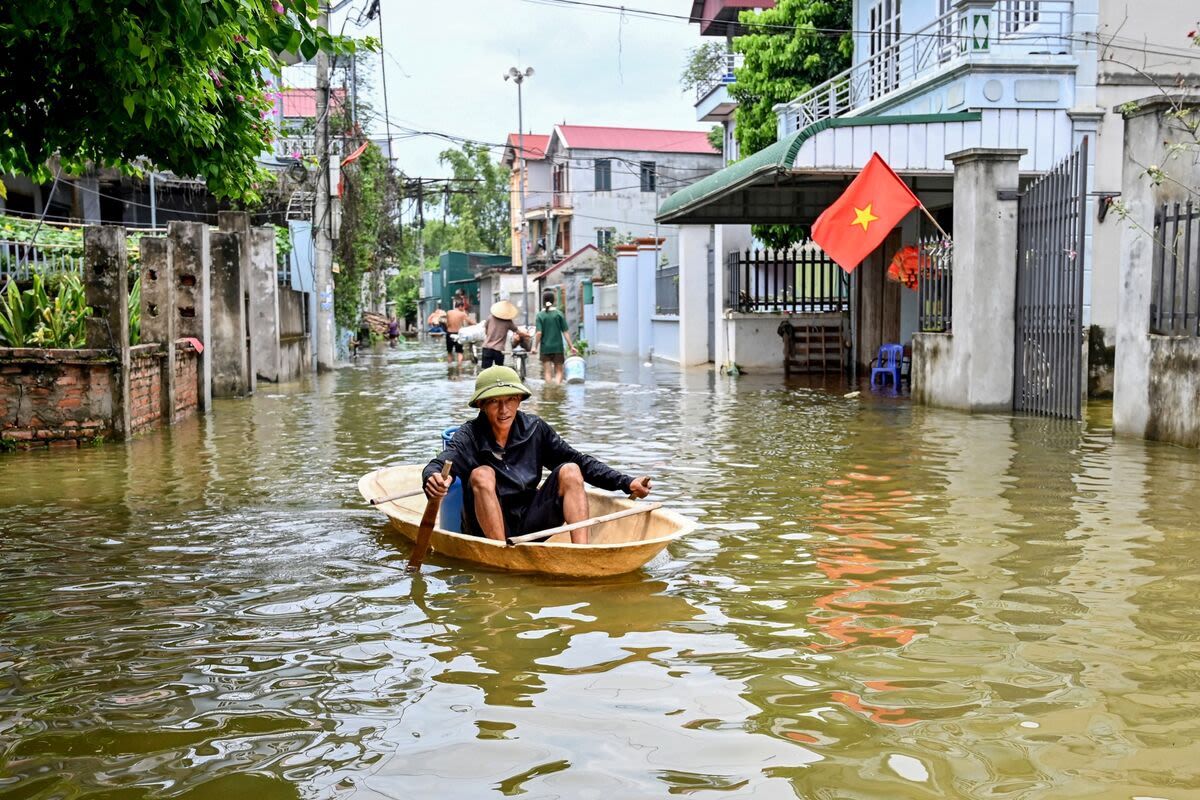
574, 369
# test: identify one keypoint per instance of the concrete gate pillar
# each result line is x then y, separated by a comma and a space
693, 295
229, 357
649, 252
158, 313
192, 262
627, 299
264, 304
971, 368
106, 287
238, 224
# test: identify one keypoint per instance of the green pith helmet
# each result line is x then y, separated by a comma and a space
497, 381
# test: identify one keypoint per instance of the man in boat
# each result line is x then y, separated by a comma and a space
499, 456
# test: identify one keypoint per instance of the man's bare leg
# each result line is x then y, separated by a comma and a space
547, 371
487, 504
574, 500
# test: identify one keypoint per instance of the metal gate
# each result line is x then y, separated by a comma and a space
1049, 325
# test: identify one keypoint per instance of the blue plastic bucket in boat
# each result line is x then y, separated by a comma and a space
452, 503
574, 369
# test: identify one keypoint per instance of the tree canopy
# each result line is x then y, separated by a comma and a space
479, 200
788, 50
179, 83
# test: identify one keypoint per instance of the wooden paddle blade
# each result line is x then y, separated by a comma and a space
425, 532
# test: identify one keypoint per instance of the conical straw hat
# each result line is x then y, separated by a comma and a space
504, 310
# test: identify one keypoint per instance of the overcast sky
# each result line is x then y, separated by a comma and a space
445, 63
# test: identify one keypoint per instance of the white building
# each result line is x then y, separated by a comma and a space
598, 185
1026, 80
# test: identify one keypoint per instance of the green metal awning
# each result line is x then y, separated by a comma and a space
740, 192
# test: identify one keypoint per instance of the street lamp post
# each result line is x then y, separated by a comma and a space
518, 77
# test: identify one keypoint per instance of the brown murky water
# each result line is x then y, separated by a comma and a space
880, 602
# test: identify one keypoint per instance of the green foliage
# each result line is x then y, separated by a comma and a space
479, 202
716, 137
704, 60
135, 311
31, 318
582, 347
176, 82
18, 318
608, 258
405, 290
780, 65
365, 214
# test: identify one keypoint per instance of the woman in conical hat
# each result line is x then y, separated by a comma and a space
497, 332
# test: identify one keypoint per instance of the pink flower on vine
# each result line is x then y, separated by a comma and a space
238, 39
296, 154
241, 98
278, 6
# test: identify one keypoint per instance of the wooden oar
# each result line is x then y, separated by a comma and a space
628, 512
425, 532
389, 498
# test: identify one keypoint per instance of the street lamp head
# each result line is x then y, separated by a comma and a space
529, 72
516, 75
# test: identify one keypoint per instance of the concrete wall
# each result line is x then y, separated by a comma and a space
1155, 390
664, 337
754, 343
607, 338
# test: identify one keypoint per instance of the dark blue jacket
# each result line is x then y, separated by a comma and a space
532, 446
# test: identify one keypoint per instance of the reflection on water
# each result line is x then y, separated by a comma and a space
879, 602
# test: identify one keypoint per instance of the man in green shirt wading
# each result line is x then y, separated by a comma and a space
551, 333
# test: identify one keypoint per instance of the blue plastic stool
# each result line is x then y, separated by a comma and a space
890, 357
452, 503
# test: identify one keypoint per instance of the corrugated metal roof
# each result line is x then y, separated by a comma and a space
588, 137
777, 159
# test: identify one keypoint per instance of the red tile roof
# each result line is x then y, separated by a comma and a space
535, 146
588, 137
303, 102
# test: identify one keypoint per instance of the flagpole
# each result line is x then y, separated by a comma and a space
934, 221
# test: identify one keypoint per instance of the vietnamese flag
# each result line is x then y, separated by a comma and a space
862, 217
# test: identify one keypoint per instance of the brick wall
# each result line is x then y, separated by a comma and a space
55, 397
187, 367
145, 386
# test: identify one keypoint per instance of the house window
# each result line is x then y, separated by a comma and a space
604, 239
885, 47
603, 175
649, 176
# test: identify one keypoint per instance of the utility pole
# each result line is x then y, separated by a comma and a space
518, 77
322, 213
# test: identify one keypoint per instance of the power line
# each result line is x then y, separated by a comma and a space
755, 26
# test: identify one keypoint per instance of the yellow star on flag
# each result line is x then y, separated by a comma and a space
864, 217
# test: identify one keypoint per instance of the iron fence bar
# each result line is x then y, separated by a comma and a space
1187, 264
1156, 269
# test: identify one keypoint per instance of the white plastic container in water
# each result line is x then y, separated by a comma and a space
574, 369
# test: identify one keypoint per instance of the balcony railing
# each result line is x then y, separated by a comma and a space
720, 74
1009, 28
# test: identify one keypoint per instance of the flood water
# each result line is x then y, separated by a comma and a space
880, 601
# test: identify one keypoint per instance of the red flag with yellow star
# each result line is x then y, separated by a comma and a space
862, 217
